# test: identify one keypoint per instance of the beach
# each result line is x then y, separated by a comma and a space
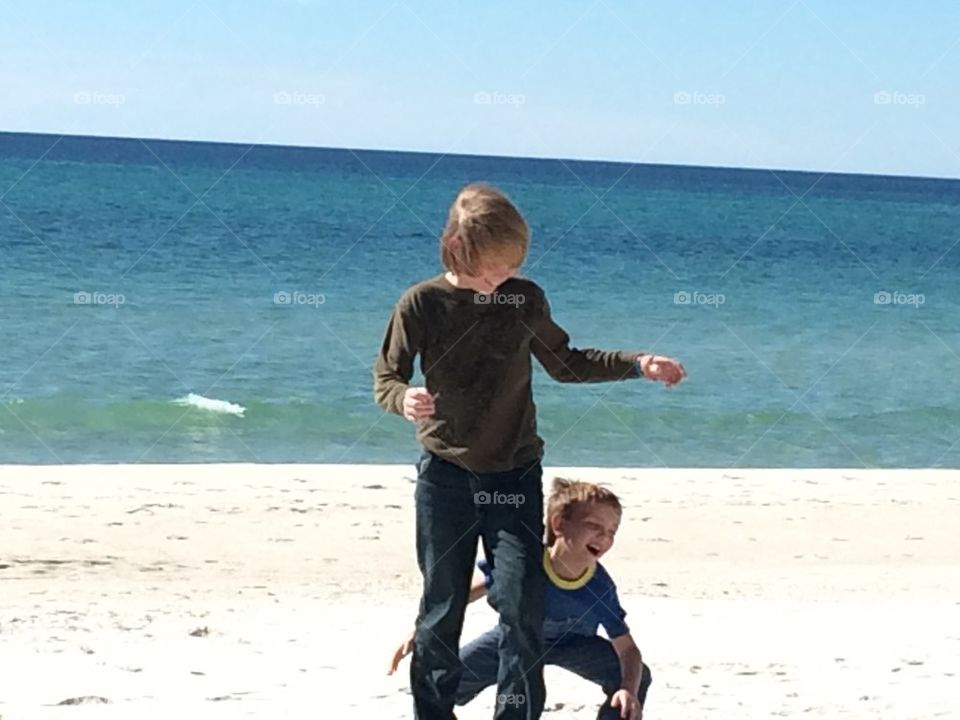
233, 590
238, 241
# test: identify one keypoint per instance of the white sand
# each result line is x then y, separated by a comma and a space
752, 593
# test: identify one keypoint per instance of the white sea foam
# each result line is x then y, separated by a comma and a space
211, 404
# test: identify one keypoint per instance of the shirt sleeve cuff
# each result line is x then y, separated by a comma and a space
636, 364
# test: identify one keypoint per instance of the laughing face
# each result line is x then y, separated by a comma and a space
589, 534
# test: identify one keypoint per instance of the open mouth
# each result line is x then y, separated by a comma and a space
593, 550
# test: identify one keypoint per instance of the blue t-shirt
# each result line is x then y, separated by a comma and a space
577, 607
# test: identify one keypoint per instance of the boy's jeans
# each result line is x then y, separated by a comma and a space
505, 510
592, 658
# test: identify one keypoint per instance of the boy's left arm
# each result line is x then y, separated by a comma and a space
631, 669
551, 346
631, 662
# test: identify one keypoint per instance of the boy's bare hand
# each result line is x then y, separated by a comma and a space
400, 653
627, 702
665, 369
418, 404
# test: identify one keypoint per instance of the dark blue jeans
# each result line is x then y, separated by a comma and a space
592, 658
455, 508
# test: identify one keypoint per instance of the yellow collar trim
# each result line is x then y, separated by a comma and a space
562, 583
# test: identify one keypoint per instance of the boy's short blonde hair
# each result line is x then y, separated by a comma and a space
570, 498
489, 228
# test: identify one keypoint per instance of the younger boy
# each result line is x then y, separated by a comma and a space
582, 520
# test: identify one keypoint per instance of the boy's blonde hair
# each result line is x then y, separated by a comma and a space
570, 498
489, 228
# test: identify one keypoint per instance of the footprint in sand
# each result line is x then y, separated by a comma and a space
85, 700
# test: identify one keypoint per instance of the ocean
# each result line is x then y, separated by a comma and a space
205, 302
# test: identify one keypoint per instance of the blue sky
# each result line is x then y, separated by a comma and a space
854, 86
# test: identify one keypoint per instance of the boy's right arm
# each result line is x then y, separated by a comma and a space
405, 648
478, 588
394, 366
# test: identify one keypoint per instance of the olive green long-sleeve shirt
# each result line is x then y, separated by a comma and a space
475, 358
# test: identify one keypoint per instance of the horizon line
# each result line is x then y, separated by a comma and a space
241, 143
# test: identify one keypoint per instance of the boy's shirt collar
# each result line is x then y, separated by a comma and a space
561, 582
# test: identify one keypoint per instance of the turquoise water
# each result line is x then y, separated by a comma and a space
184, 246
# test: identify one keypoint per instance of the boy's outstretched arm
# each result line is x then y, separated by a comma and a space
551, 346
